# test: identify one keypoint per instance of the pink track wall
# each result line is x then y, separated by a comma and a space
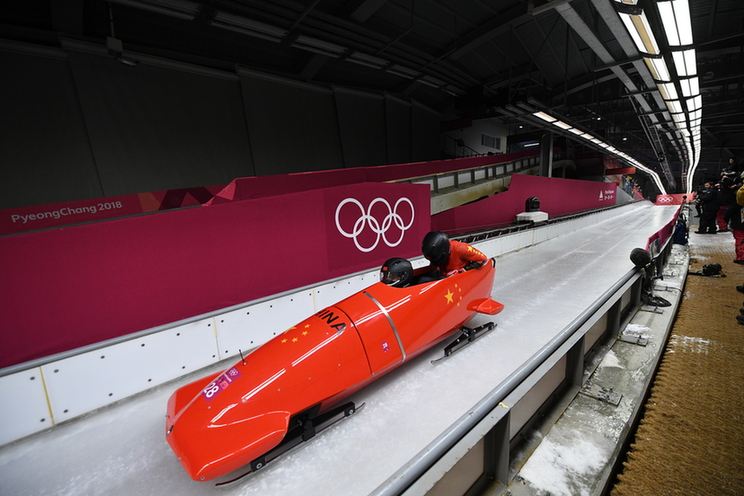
74, 286
557, 197
256, 187
657, 240
25, 219
69, 287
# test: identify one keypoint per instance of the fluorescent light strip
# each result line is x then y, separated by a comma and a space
685, 62
679, 119
249, 27
405, 72
432, 81
609, 148
682, 25
695, 103
180, 9
318, 46
666, 12
674, 106
658, 68
640, 32
668, 91
695, 85
690, 86
545, 117
367, 60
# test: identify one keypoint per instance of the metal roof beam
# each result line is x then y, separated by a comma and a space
497, 25
361, 10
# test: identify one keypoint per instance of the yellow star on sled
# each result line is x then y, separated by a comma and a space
449, 296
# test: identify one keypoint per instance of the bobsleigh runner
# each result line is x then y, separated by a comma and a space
293, 386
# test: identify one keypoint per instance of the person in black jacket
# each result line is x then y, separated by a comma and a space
730, 183
708, 201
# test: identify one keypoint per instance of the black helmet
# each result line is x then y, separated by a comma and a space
396, 272
436, 247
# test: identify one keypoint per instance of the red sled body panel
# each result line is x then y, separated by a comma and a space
225, 421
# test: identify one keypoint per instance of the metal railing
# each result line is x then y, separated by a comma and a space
456, 148
451, 180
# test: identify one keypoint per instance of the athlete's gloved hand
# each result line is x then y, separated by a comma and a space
474, 265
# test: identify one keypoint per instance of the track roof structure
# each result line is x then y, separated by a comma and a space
477, 59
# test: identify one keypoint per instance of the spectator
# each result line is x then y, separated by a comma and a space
730, 183
737, 224
708, 201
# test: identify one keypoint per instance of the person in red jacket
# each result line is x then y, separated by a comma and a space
450, 256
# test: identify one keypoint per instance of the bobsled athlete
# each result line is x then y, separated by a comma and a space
450, 256
396, 272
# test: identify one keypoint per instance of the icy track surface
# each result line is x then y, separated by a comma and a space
122, 450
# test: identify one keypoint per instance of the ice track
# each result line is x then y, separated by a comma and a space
122, 450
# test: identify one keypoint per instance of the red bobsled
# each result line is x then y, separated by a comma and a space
290, 385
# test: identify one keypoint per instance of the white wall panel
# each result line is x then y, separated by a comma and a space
23, 405
430, 182
491, 247
333, 292
91, 380
250, 327
540, 234
446, 181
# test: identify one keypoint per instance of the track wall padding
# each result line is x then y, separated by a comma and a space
76, 286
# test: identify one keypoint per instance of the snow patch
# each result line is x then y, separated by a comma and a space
611, 360
564, 468
637, 330
686, 344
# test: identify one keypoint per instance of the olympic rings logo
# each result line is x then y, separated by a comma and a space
379, 228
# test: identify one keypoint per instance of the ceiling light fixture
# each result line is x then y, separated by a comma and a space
545, 117
685, 62
321, 47
180, 9
401, 71
675, 17
605, 147
249, 27
367, 60
640, 31
677, 26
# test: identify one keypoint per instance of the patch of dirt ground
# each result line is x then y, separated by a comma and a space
691, 437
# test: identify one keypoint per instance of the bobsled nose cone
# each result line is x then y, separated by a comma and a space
211, 451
